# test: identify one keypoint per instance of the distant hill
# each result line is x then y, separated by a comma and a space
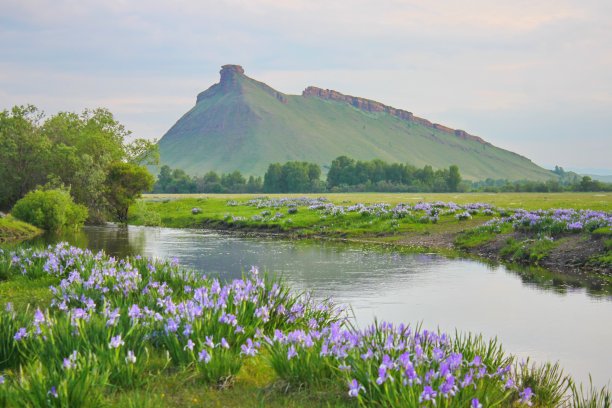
243, 124
599, 177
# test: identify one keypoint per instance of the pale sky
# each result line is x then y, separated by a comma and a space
532, 76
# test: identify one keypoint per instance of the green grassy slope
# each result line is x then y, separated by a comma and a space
243, 125
13, 230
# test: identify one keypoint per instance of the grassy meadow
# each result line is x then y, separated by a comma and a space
528, 201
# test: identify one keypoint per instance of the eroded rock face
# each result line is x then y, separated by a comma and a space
229, 75
373, 106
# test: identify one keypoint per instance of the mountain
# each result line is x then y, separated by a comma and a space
243, 124
600, 177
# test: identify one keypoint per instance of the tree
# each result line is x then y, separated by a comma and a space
143, 152
342, 171
272, 178
164, 179
124, 184
233, 180
24, 153
454, 178
211, 177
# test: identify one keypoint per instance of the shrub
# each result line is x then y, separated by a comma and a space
52, 210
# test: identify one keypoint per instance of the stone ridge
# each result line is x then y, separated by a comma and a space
373, 106
229, 79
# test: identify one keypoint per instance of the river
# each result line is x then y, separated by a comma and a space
547, 322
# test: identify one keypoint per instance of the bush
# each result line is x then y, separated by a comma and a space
52, 210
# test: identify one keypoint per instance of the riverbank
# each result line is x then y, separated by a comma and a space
451, 227
138, 332
14, 231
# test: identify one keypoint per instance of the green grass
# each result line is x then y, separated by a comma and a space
245, 127
527, 201
479, 236
24, 291
13, 230
604, 260
175, 211
255, 386
217, 214
531, 250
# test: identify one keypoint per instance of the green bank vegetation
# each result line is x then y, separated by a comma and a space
13, 230
339, 216
117, 343
348, 175
82, 157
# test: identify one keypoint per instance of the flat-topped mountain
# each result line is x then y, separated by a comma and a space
243, 124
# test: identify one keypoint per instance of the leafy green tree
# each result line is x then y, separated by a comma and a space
294, 178
342, 171
124, 184
76, 150
454, 178
143, 152
254, 185
24, 153
52, 210
164, 179
272, 178
211, 177
234, 180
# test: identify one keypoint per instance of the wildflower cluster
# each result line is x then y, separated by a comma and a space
111, 315
265, 202
108, 317
556, 221
387, 365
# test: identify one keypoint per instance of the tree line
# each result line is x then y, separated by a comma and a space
345, 174
177, 181
86, 155
578, 184
349, 175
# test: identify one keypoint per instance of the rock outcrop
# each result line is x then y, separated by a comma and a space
229, 75
230, 78
369, 105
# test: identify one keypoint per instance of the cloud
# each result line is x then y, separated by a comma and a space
461, 63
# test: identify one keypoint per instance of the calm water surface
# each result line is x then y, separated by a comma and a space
453, 294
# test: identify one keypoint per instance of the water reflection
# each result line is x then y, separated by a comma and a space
534, 313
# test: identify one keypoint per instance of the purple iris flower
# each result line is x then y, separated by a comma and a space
354, 388
116, 342
248, 348
204, 356
224, 343
428, 394
134, 312
53, 392
21, 333
131, 357
526, 396
382, 374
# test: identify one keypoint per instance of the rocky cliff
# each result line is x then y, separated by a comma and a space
373, 106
